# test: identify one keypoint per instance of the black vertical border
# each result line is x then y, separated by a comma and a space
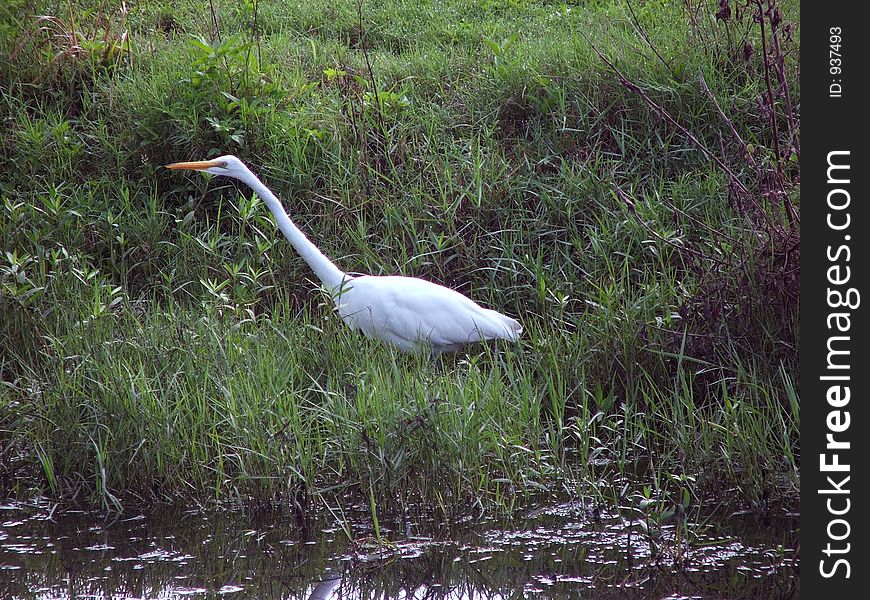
829, 124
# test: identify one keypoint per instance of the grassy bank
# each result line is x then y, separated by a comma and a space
623, 180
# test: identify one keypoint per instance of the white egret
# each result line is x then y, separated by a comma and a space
408, 312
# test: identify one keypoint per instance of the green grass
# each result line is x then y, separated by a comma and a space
160, 340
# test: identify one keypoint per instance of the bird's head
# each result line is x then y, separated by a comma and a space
228, 166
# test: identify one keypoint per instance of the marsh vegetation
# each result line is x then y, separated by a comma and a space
621, 178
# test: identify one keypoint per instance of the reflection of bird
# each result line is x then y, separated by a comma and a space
323, 589
408, 312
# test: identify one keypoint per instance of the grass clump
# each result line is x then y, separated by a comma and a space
627, 189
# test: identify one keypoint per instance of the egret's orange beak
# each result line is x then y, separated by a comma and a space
197, 165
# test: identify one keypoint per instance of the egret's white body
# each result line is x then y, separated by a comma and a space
407, 312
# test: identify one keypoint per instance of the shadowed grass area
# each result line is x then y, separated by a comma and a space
160, 340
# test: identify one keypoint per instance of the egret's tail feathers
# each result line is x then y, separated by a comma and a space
502, 327
513, 329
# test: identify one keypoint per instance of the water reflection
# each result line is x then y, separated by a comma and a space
324, 589
560, 552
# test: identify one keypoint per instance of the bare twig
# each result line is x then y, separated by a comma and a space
214, 20
643, 34
717, 234
257, 32
762, 16
727, 121
789, 111
377, 96
682, 248
667, 117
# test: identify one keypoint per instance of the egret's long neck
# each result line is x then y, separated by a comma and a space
329, 274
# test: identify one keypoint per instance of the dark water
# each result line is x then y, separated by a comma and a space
563, 551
